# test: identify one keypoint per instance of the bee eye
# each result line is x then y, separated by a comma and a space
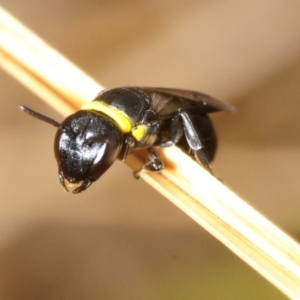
99, 165
56, 144
107, 153
92, 140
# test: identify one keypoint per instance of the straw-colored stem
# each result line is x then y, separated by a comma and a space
204, 198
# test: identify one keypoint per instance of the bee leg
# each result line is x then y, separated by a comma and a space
202, 160
175, 132
154, 165
194, 139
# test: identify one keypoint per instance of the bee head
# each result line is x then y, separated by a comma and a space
86, 144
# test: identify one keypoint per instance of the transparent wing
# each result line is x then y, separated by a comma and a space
207, 104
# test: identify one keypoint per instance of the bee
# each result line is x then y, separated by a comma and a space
121, 120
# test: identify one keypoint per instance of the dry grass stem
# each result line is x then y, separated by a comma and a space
205, 199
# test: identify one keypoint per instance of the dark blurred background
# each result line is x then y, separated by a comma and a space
120, 239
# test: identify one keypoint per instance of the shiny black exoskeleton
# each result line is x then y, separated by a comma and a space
121, 120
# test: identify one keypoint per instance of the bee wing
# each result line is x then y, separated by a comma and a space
207, 103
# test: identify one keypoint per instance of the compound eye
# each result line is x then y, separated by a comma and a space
107, 153
56, 144
99, 164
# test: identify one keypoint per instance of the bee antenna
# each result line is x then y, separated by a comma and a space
39, 116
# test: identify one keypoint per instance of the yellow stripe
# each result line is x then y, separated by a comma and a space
139, 131
120, 118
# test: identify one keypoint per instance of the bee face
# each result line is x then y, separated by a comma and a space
85, 146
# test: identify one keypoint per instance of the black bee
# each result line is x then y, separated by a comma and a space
121, 120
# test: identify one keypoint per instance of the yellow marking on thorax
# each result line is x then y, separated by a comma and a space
123, 122
139, 131
120, 118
